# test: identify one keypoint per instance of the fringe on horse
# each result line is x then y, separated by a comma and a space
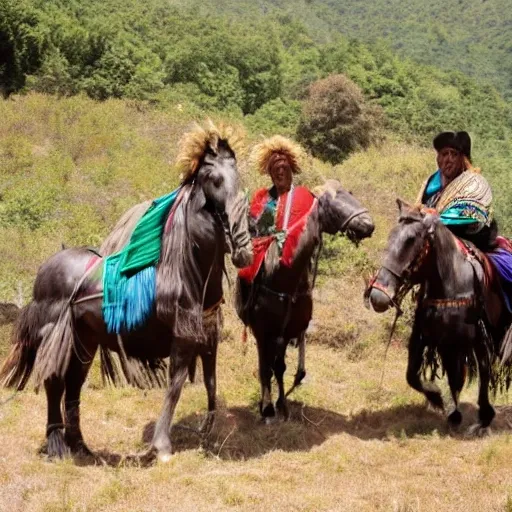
500, 374
121, 370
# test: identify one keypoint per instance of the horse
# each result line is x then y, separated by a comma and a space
460, 318
278, 304
58, 333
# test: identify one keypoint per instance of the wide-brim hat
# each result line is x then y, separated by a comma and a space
460, 141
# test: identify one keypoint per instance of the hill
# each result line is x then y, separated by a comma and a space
471, 36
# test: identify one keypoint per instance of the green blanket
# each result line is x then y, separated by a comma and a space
129, 277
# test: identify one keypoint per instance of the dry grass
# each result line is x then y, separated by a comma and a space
350, 445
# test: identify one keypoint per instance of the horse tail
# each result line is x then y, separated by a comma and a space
27, 335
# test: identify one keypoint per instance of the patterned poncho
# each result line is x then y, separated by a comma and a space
467, 200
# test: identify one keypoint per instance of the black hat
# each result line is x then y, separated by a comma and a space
457, 140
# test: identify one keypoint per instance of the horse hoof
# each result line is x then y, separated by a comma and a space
79, 448
268, 411
477, 430
164, 457
435, 399
270, 420
455, 418
55, 447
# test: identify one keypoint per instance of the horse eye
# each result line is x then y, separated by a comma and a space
217, 180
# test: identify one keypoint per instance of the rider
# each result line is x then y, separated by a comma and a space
463, 199
278, 214
459, 193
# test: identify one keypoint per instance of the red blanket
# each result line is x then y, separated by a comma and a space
303, 203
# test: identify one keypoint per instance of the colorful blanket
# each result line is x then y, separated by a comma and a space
283, 221
465, 201
129, 276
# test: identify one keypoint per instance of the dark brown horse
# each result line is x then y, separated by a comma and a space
59, 332
278, 305
460, 319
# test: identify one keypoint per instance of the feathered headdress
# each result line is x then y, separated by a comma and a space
193, 145
262, 152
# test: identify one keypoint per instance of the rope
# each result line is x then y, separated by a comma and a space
398, 314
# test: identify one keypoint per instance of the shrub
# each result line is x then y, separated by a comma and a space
336, 119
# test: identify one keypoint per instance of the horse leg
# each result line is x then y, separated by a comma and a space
279, 369
265, 358
415, 360
209, 362
486, 411
78, 369
301, 367
192, 370
56, 446
178, 370
454, 365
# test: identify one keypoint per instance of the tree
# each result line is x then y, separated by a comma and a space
337, 120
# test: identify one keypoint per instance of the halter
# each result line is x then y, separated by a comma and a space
404, 277
352, 217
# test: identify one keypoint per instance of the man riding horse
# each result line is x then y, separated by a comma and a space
459, 193
274, 294
463, 199
462, 309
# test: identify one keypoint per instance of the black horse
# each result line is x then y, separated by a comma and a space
460, 318
278, 305
59, 332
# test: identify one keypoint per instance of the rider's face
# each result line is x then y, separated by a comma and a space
281, 174
451, 163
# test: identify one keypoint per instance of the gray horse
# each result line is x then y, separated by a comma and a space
460, 318
278, 305
59, 332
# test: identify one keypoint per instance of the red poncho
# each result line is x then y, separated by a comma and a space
303, 202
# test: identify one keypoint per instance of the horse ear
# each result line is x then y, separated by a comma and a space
401, 204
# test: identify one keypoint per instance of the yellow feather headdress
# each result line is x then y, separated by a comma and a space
262, 152
194, 143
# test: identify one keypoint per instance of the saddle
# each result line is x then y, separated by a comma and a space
493, 294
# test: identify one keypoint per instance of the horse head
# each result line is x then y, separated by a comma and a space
340, 211
208, 159
408, 245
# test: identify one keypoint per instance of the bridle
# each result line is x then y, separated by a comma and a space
352, 217
405, 277
292, 297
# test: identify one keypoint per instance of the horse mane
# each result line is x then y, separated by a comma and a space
122, 231
193, 145
179, 286
447, 253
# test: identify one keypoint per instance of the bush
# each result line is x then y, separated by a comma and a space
336, 119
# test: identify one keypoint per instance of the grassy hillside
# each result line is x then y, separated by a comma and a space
68, 169
71, 167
